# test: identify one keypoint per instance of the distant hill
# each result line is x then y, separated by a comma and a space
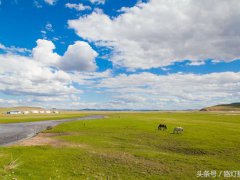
223, 107
20, 108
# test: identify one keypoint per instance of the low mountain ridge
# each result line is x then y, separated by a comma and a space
20, 108
223, 107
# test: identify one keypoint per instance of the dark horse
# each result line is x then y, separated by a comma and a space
162, 127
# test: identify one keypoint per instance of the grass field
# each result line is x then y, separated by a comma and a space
129, 146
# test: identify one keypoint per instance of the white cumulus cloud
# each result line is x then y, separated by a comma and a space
13, 49
79, 57
24, 76
50, 2
78, 7
43, 74
161, 32
173, 91
43, 52
98, 1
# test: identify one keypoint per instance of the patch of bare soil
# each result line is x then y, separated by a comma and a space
47, 139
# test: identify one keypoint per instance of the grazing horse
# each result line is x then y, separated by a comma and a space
177, 130
162, 127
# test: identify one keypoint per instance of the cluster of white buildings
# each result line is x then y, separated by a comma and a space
33, 112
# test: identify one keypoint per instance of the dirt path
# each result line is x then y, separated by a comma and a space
47, 139
15, 132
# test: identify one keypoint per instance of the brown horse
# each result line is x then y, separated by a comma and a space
162, 127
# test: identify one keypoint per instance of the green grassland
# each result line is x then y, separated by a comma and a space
129, 146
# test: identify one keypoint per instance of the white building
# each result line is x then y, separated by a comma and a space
25, 112
35, 111
56, 112
14, 112
48, 112
41, 112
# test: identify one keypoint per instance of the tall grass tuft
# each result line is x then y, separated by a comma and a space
12, 165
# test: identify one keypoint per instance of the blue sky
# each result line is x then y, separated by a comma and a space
119, 54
